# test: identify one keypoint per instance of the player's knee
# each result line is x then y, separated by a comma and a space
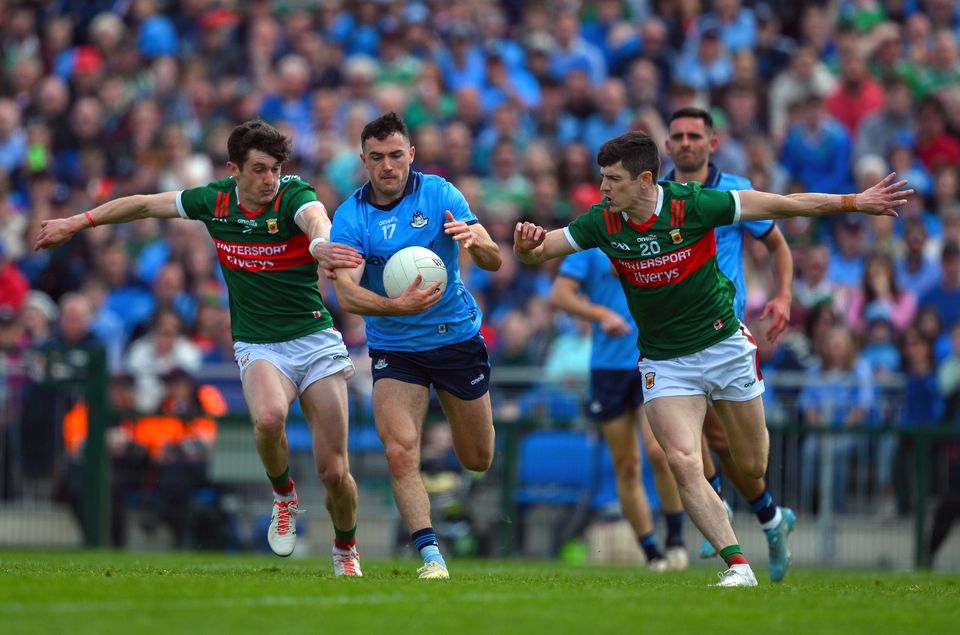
479, 459
401, 459
686, 466
627, 469
333, 473
270, 421
754, 466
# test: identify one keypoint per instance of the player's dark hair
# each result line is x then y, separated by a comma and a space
693, 113
257, 135
384, 126
636, 150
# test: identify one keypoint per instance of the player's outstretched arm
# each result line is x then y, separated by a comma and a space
315, 223
356, 299
534, 245
57, 231
476, 240
880, 200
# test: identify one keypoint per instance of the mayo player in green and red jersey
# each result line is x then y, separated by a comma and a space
270, 232
660, 239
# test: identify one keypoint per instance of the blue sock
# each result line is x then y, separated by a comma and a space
425, 540
715, 483
674, 529
763, 507
649, 545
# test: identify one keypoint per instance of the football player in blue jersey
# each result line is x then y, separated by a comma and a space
691, 141
422, 338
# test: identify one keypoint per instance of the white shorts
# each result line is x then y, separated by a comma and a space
727, 371
303, 360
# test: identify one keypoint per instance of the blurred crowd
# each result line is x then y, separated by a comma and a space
510, 101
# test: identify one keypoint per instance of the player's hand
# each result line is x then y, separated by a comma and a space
458, 230
414, 300
332, 256
527, 237
883, 198
779, 309
54, 232
613, 324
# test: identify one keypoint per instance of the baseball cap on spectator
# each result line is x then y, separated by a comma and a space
764, 13
710, 29
461, 31
870, 164
157, 37
43, 304
904, 139
416, 13
218, 18
538, 42
87, 59
361, 67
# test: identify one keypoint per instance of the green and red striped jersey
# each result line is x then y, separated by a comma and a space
265, 259
667, 267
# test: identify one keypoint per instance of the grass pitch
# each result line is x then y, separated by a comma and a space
172, 593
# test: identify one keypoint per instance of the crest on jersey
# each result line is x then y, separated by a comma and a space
419, 221
718, 324
273, 228
675, 236
245, 359
649, 379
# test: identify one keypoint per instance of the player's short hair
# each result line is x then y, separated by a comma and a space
257, 135
635, 150
693, 112
384, 126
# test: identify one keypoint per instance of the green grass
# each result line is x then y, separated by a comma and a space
144, 593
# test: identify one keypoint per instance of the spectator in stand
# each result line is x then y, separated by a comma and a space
880, 290
916, 268
708, 65
848, 258
857, 95
945, 297
162, 349
948, 379
936, 146
817, 149
879, 131
837, 394
806, 74
572, 50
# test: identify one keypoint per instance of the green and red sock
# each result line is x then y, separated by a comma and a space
733, 555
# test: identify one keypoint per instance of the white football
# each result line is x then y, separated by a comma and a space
403, 267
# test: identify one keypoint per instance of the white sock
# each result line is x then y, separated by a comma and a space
773, 522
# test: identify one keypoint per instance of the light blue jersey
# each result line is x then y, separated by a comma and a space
592, 269
416, 218
730, 237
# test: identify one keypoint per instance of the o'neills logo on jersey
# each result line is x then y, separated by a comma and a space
266, 257
667, 269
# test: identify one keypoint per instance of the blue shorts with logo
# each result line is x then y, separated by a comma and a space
614, 392
463, 369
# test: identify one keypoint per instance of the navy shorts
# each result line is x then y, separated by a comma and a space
614, 392
463, 369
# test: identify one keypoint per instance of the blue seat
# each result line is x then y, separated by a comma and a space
556, 467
